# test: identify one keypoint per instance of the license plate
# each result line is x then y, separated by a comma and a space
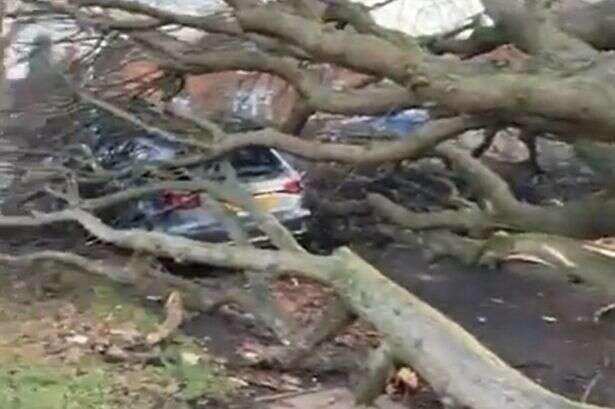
264, 202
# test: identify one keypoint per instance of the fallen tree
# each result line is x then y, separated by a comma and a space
457, 366
563, 89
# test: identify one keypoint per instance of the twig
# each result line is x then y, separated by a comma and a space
286, 395
602, 311
130, 117
590, 386
175, 316
380, 4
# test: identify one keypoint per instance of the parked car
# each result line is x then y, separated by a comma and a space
275, 185
393, 125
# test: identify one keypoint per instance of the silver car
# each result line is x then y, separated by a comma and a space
276, 186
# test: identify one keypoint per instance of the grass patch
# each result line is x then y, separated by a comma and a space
112, 301
75, 377
196, 375
46, 387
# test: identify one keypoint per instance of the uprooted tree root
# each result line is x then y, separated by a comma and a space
461, 370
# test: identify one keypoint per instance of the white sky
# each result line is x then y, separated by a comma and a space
417, 17
424, 17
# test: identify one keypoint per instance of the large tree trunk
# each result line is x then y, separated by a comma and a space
455, 364
459, 368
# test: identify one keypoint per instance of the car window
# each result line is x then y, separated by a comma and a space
247, 162
255, 161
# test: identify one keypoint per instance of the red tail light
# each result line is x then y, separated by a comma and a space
292, 186
178, 200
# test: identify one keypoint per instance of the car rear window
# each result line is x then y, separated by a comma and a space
255, 161
248, 162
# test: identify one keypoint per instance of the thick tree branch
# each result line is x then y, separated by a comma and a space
357, 16
532, 27
473, 219
412, 146
364, 53
584, 218
577, 106
592, 22
481, 40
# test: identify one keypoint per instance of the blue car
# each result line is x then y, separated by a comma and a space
393, 125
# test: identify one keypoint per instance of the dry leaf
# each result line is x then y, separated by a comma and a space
77, 339
270, 380
408, 378
190, 358
251, 350
404, 383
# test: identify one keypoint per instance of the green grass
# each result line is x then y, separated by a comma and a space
47, 387
31, 380
118, 303
195, 379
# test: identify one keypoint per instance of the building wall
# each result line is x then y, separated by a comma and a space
262, 98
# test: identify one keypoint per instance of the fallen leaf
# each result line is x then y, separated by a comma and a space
270, 380
77, 339
549, 319
403, 383
129, 336
240, 383
190, 358
291, 380
251, 350
529, 258
408, 378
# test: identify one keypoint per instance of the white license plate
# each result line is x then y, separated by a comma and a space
264, 202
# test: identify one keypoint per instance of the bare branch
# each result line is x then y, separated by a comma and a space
362, 52
135, 120
533, 28
414, 145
